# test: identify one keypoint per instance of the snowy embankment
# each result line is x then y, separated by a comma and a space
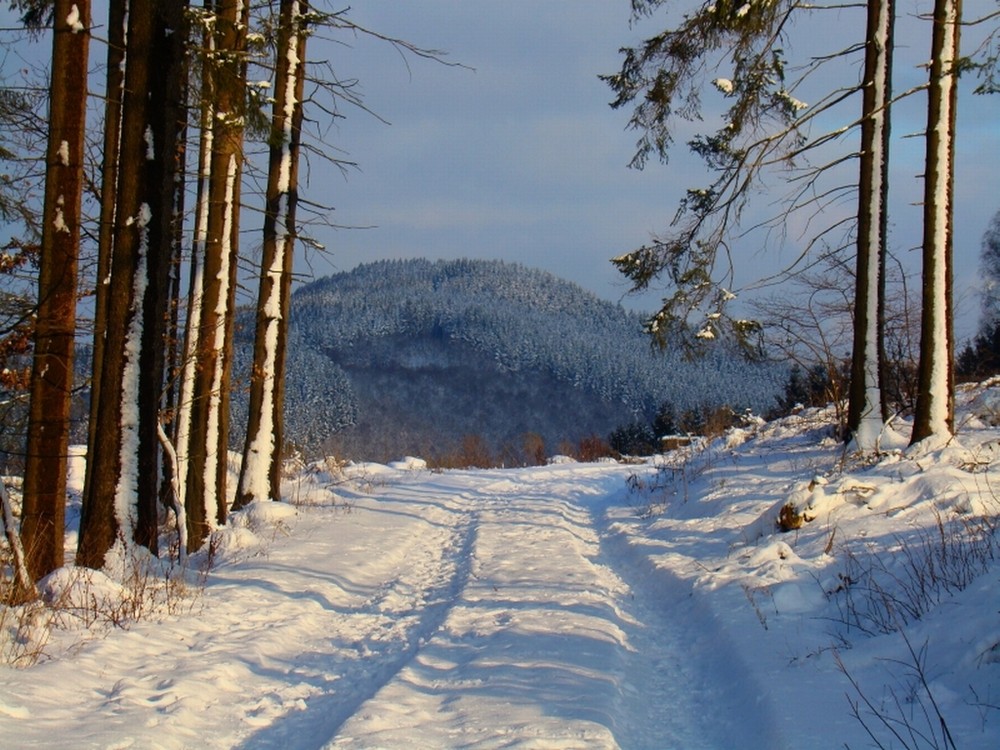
556, 607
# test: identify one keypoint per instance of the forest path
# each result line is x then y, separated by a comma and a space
554, 635
464, 609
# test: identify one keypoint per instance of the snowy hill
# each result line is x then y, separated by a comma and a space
401, 357
565, 606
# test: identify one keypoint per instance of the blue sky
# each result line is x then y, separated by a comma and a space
522, 158
517, 155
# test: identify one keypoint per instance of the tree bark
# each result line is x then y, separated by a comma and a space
260, 472
867, 405
207, 467
165, 122
192, 333
934, 416
44, 504
111, 511
114, 86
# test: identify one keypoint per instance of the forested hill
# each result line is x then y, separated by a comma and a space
410, 356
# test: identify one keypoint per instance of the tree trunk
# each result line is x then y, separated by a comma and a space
192, 333
934, 417
260, 473
207, 467
111, 506
114, 85
165, 119
867, 407
44, 504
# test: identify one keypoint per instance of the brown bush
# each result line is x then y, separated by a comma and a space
593, 448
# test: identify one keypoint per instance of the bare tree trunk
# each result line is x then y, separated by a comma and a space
207, 467
114, 84
44, 506
260, 472
934, 417
110, 509
192, 334
165, 118
867, 409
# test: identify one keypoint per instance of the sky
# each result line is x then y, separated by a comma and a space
519, 156
514, 153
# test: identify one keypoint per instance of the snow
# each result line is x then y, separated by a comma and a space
724, 85
73, 19
388, 606
215, 395
128, 478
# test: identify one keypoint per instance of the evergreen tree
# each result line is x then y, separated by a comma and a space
934, 416
207, 466
260, 474
44, 503
110, 510
867, 409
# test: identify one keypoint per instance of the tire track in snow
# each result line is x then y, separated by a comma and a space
406, 611
527, 654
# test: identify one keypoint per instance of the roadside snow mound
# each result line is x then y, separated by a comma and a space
882, 570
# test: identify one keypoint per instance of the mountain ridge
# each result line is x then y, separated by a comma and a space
410, 356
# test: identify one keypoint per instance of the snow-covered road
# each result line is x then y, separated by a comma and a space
550, 607
517, 623
476, 609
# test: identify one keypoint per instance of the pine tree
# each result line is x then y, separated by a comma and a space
207, 465
867, 410
44, 501
260, 472
110, 509
113, 93
934, 416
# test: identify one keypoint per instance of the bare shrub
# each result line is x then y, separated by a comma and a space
883, 590
534, 449
593, 448
909, 717
472, 453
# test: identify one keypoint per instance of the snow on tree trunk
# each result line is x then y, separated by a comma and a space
865, 414
174, 475
161, 189
127, 489
114, 92
934, 417
44, 505
260, 471
207, 466
109, 510
196, 283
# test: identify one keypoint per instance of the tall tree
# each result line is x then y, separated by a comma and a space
110, 509
207, 465
163, 182
182, 420
260, 473
44, 502
867, 408
934, 416
113, 93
